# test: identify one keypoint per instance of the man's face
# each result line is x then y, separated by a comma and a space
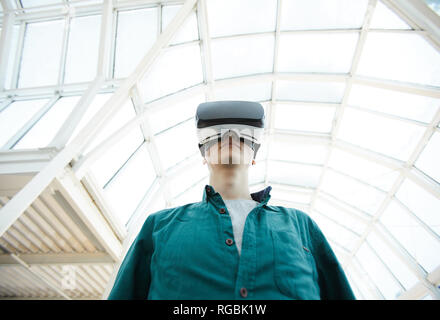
229, 151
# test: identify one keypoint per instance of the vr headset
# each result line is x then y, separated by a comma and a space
217, 120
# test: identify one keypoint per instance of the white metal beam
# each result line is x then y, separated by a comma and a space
152, 146
5, 47
418, 14
17, 61
98, 258
63, 55
41, 277
270, 113
78, 88
73, 191
25, 161
105, 38
91, 185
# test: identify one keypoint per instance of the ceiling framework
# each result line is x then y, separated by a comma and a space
59, 181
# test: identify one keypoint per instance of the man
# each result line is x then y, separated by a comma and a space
232, 244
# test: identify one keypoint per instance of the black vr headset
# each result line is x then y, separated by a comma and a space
242, 119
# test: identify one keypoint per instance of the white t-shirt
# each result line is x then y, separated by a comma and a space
238, 210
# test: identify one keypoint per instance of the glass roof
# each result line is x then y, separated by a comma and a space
350, 90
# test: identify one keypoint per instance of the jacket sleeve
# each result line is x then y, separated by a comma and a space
332, 280
133, 278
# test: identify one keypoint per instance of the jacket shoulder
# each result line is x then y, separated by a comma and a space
293, 213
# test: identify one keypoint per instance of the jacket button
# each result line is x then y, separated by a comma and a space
229, 242
243, 292
222, 210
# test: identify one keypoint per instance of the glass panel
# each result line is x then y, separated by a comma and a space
262, 152
304, 117
282, 148
261, 91
434, 5
322, 14
188, 31
186, 178
352, 192
193, 195
136, 33
16, 115
340, 216
401, 104
421, 203
170, 115
124, 114
384, 18
177, 68
314, 52
257, 172
156, 203
387, 136
294, 174
113, 158
357, 285
293, 205
363, 169
152, 202
40, 62
242, 56
412, 236
384, 55
38, 3
177, 144
429, 159
82, 52
42, 133
288, 195
406, 277
368, 288
310, 91
94, 107
378, 272
130, 185
226, 17
335, 232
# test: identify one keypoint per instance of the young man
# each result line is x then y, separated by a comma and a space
232, 244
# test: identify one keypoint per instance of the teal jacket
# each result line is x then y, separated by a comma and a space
188, 252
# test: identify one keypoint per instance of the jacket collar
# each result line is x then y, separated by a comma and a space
261, 196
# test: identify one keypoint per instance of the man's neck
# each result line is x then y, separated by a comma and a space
231, 184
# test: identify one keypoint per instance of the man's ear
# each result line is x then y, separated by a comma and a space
204, 161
